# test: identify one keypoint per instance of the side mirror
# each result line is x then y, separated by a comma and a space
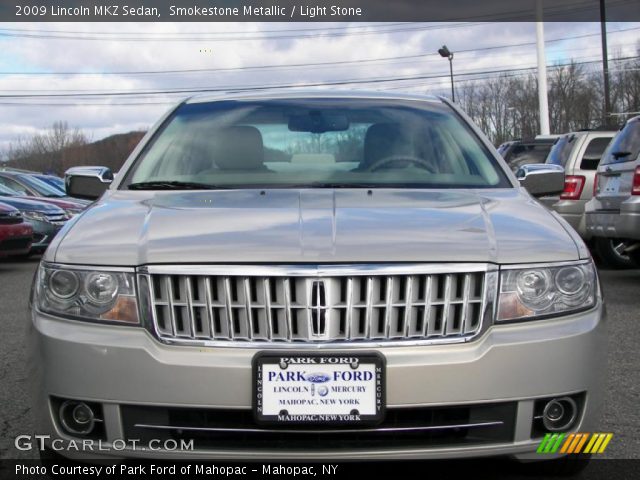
87, 182
541, 179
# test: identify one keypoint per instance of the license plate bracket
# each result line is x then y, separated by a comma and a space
319, 388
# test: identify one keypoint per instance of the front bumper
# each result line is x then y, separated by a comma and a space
123, 367
15, 239
43, 233
623, 223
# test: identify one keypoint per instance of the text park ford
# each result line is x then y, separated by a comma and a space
317, 276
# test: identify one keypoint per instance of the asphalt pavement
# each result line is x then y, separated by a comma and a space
621, 416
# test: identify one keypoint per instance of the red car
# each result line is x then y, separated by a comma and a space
15, 235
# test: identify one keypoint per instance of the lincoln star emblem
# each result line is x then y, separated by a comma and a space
318, 308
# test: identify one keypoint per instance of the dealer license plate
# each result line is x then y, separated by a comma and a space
318, 388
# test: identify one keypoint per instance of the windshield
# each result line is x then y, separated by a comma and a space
55, 182
8, 192
561, 150
43, 189
315, 143
625, 147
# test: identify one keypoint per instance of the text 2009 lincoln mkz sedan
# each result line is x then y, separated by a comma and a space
316, 276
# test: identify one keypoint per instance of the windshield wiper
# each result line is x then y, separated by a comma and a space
173, 185
618, 155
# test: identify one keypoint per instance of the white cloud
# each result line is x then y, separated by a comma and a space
113, 55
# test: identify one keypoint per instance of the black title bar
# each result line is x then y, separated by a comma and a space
316, 11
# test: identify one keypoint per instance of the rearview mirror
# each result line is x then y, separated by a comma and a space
318, 122
87, 182
541, 179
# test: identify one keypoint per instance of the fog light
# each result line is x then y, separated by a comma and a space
77, 417
559, 414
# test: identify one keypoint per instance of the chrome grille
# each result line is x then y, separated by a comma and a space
56, 218
317, 306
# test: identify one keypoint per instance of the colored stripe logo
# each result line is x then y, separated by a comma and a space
574, 443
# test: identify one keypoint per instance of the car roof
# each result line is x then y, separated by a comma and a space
593, 132
301, 93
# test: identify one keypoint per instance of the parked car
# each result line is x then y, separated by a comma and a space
520, 152
15, 234
28, 185
71, 209
579, 153
52, 180
614, 212
45, 219
395, 276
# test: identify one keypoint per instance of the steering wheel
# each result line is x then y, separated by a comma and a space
401, 158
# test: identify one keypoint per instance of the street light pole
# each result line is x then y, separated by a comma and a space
605, 64
543, 99
445, 53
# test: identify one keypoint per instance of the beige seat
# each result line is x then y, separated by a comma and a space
384, 140
239, 148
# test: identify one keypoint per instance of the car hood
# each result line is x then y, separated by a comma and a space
25, 205
6, 208
314, 226
62, 203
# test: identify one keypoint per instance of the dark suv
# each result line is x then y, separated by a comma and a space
520, 152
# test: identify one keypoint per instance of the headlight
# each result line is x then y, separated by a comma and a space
87, 294
37, 216
541, 291
72, 212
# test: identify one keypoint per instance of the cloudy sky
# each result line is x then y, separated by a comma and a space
45, 67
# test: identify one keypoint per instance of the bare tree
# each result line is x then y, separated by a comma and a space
46, 151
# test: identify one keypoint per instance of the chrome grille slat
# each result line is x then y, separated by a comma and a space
209, 305
192, 316
465, 306
248, 307
407, 308
348, 314
364, 308
427, 308
267, 306
447, 304
228, 308
369, 307
287, 308
172, 313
